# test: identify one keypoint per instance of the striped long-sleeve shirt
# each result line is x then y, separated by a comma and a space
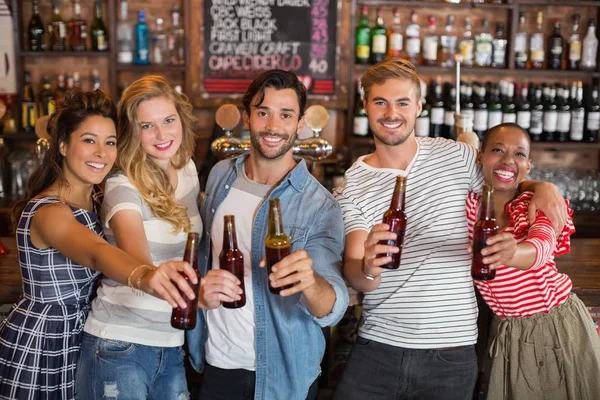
521, 293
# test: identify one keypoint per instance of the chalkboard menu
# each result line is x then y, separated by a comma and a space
245, 37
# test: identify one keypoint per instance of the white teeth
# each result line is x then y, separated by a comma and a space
272, 139
391, 126
96, 165
504, 174
162, 146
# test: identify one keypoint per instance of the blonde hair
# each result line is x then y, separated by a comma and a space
149, 179
391, 68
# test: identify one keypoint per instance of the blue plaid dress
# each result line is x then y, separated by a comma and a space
40, 338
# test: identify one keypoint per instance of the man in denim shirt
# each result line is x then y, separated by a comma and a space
272, 347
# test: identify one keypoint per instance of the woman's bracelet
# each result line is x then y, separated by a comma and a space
366, 274
136, 288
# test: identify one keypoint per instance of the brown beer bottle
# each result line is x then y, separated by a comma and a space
277, 243
396, 219
185, 318
484, 228
232, 260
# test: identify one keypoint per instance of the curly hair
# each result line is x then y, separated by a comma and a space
149, 179
76, 107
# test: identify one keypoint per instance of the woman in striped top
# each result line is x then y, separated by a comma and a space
544, 343
129, 348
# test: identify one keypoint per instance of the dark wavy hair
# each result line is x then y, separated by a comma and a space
277, 79
76, 107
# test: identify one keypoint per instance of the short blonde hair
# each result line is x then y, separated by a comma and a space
391, 68
149, 179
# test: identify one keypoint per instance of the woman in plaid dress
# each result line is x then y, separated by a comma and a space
62, 252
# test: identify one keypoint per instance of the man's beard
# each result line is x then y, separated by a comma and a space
288, 143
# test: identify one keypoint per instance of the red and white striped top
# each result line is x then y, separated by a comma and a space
517, 293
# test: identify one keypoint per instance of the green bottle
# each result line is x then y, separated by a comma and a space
378, 39
363, 38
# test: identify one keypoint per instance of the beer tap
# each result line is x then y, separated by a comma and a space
463, 124
228, 117
314, 148
42, 144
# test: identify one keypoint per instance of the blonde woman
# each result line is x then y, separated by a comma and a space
129, 348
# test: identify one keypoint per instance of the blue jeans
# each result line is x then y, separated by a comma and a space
378, 371
112, 369
235, 384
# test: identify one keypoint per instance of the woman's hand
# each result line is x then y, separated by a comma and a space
500, 250
166, 282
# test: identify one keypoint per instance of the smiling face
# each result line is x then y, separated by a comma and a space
505, 158
161, 129
392, 108
274, 124
91, 151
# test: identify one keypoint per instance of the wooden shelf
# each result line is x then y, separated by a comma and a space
545, 3
526, 73
61, 54
151, 67
19, 136
431, 4
565, 146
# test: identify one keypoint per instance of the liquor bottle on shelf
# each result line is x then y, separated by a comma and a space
592, 117
76, 79
524, 109
449, 111
77, 29
47, 102
448, 42
574, 45
160, 45
550, 114
577, 116
430, 43
555, 48
563, 106
96, 84
361, 121
509, 108
480, 118
99, 31
423, 123
536, 44
437, 110
494, 107
395, 39
61, 89
363, 38
36, 30
57, 29
467, 107
141, 56
590, 48
124, 36
499, 45
537, 116
520, 47
29, 112
413, 39
467, 44
483, 46
176, 38
378, 39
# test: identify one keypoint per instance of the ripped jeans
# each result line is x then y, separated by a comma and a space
116, 370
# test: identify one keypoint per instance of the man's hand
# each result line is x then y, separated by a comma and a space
294, 269
372, 263
500, 250
548, 200
218, 286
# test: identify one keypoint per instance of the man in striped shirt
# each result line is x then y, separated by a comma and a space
420, 321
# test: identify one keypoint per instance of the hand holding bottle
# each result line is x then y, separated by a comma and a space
295, 270
218, 286
377, 254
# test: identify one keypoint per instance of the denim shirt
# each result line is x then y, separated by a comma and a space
289, 340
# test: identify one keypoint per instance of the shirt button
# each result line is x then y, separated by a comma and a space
226, 186
213, 210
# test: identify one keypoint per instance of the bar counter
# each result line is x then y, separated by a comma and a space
582, 265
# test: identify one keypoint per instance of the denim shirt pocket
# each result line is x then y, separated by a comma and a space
298, 236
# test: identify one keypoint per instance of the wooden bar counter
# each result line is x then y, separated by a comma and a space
582, 265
